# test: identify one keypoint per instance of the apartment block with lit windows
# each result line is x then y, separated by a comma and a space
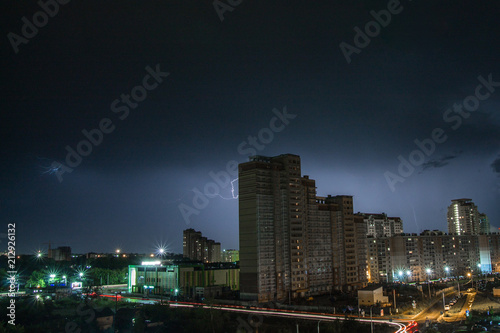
463, 217
431, 255
381, 225
292, 242
197, 247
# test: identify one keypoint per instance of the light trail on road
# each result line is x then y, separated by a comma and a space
402, 325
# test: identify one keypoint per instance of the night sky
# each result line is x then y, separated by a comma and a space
352, 118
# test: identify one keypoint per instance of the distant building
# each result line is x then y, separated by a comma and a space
380, 225
230, 255
463, 217
62, 253
431, 255
484, 224
197, 247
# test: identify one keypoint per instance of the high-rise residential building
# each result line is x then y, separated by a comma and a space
197, 247
484, 224
349, 242
381, 225
293, 243
430, 255
271, 228
191, 247
463, 217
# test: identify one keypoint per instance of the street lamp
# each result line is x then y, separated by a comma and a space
429, 271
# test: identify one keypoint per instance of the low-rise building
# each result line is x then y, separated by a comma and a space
372, 295
178, 278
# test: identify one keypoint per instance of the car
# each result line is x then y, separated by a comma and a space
446, 308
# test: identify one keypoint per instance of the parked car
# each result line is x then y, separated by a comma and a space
446, 308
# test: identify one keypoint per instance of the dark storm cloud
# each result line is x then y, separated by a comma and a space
226, 77
439, 162
496, 165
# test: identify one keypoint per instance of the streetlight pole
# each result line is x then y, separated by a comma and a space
318, 325
371, 319
428, 270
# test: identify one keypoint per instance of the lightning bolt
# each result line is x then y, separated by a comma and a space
233, 197
232, 189
53, 169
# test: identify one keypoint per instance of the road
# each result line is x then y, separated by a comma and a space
460, 315
399, 325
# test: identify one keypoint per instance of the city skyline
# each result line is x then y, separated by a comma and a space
116, 116
166, 245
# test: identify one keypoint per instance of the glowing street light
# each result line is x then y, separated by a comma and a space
429, 271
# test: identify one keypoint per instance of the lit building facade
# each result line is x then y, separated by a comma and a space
230, 255
463, 217
173, 279
431, 255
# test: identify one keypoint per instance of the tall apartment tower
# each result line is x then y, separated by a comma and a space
272, 228
196, 247
349, 244
191, 244
463, 217
484, 224
293, 243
